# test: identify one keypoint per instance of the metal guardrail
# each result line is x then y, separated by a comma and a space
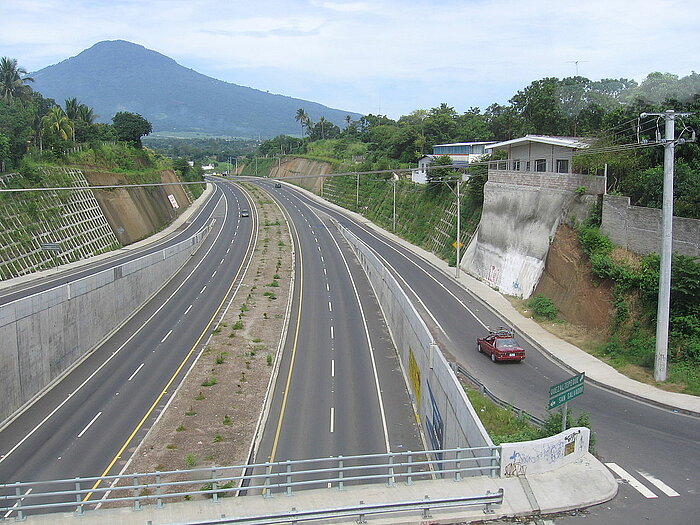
484, 391
425, 505
263, 479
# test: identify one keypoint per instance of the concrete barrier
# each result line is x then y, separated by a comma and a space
445, 413
543, 455
45, 334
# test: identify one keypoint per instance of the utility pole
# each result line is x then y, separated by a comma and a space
357, 193
666, 244
458, 230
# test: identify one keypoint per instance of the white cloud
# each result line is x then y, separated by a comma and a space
357, 55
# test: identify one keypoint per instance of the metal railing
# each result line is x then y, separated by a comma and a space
264, 479
484, 391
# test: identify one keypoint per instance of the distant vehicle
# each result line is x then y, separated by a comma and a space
501, 345
245, 212
278, 184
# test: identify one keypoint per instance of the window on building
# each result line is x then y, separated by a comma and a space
540, 164
527, 166
516, 165
478, 149
562, 166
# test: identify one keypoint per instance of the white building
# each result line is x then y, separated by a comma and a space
539, 153
461, 153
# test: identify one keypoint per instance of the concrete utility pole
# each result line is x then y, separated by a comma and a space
459, 213
666, 244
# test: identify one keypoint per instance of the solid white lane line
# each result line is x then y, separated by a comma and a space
89, 424
166, 336
331, 332
135, 372
188, 310
202, 290
631, 480
332, 367
330, 306
332, 419
659, 485
7, 514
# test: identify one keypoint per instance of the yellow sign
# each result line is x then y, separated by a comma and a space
454, 244
414, 373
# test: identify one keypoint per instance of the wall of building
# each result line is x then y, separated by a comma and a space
43, 335
448, 418
637, 228
592, 184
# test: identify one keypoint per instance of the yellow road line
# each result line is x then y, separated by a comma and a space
174, 376
294, 350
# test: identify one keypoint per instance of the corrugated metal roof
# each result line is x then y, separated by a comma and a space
566, 142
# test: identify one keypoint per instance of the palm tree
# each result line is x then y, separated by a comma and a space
302, 118
322, 121
347, 121
72, 112
86, 114
12, 79
56, 123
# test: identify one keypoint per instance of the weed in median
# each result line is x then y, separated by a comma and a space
227, 420
200, 396
181, 428
191, 460
218, 438
190, 412
238, 325
220, 358
269, 360
209, 382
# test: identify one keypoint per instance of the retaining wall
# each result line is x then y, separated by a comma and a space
542, 455
448, 418
638, 228
44, 334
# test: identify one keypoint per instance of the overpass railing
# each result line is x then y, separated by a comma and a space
262, 479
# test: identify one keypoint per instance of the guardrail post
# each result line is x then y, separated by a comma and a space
214, 486
340, 473
495, 462
289, 478
159, 491
458, 474
487, 506
137, 501
409, 480
426, 509
266, 490
390, 481
18, 505
361, 517
79, 510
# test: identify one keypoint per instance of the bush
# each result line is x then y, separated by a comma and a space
543, 307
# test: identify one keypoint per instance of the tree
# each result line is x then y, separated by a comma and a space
56, 125
438, 176
4, 151
12, 81
130, 127
302, 118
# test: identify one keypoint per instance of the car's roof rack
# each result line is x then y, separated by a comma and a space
502, 331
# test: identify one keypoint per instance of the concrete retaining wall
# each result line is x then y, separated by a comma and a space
593, 185
534, 457
447, 416
43, 335
637, 228
518, 223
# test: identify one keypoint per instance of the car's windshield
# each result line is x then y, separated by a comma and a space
507, 343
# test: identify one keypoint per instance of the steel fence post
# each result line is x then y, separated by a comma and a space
20, 512
159, 491
495, 461
458, 474
340, 472
137, 501
289, 478
214, 486
78, 499
409, 480
390, 480
426, 509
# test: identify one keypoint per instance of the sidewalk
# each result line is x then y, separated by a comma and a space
584, 483
559, 350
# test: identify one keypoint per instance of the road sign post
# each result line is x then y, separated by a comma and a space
562, 393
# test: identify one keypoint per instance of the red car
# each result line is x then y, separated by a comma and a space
501, 345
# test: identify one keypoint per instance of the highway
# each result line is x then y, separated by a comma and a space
89, 423
640, 438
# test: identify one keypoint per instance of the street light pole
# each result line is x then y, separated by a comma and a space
393, 183
458, 231
357, 193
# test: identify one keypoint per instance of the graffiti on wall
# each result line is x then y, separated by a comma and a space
543, 454
435, 425
414, 374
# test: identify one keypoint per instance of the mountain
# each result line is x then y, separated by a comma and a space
116, 75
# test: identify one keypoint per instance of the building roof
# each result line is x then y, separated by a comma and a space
465, 143
566, 142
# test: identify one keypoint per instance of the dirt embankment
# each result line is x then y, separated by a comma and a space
567, 280
292, 166
136, 213
213, 416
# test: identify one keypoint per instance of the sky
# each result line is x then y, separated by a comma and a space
387, 57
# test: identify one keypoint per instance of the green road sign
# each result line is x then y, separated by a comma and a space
565, 391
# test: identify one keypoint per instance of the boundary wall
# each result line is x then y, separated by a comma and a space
542, 455
444, 411
45, 334
637, 228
